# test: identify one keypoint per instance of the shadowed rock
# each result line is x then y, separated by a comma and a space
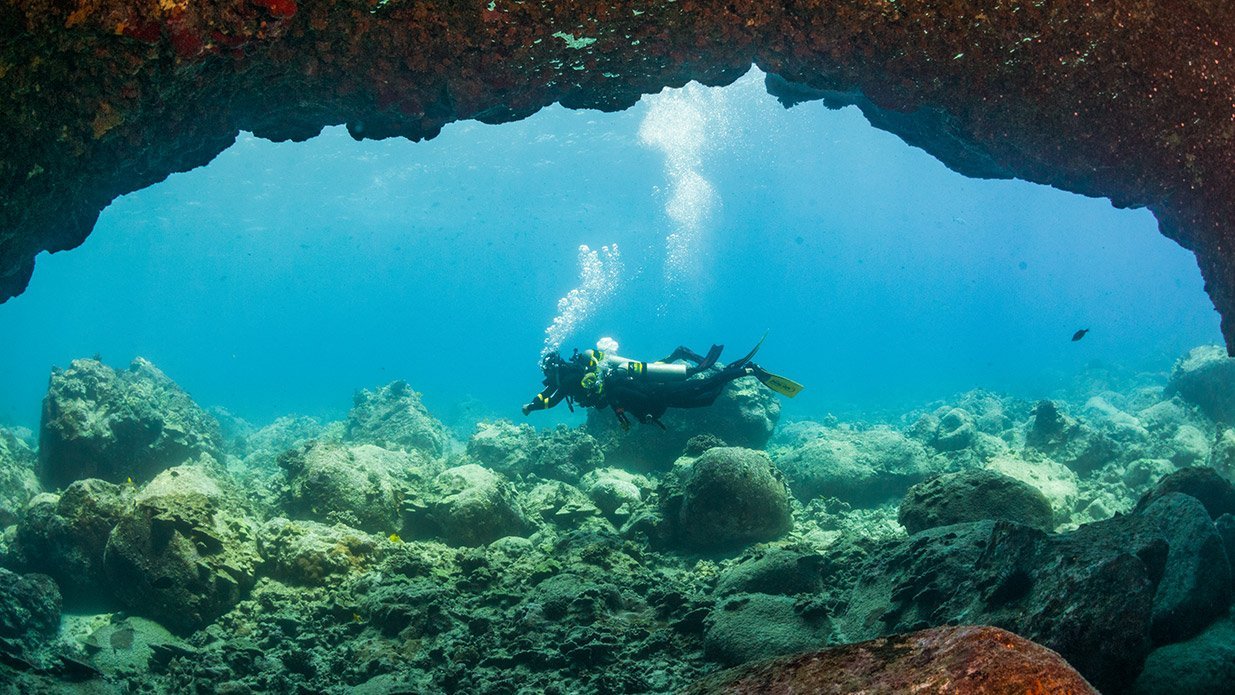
1101, 596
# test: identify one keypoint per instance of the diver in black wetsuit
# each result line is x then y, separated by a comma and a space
645, 390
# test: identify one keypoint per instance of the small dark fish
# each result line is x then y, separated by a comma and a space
1079, 334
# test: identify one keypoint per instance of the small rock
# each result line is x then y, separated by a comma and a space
616, 492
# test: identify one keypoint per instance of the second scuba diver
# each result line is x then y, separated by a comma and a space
602, 379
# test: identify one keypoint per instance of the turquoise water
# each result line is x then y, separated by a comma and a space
282, 277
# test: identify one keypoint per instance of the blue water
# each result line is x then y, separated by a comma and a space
282, 277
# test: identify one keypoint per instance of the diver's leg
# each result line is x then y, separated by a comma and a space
684, 353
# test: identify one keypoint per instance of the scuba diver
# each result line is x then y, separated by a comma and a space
601, 379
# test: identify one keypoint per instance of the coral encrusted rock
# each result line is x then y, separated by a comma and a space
185, 553
363, 486
99, 422
1101, 596
472, 505
29, 611
393, 417
732, 497
307, 552
18, 482
973, 495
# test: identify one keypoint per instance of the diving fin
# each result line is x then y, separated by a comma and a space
749, 356
710, 360
782, 385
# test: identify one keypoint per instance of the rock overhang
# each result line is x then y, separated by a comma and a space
1129, 99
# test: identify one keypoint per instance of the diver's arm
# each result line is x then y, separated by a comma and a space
544, 400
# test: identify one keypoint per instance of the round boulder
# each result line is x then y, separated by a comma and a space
732, 497
973, 495
860, 467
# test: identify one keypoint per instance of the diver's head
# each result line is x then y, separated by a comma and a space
551, 362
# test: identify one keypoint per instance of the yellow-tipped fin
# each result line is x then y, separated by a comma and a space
394, 538
782, 385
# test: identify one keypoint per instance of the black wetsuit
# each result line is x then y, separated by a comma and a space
633, 392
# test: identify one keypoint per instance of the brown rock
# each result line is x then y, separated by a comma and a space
956, 660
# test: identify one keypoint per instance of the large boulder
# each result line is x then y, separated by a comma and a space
363, 486
859, 467
966, 659
393, 417
1055, 481
119, 425
973, 495
744, 415
64, 536
186, 552
732, 497
1205, 377
472, 505
1101, 596
18, 482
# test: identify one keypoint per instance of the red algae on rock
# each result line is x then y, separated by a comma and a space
966, 660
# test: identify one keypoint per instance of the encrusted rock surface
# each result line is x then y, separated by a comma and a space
99, 422
968, 659
973, 495
1125, 99
393, 417
732, 497
362, 486
18, 482
1124, 584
